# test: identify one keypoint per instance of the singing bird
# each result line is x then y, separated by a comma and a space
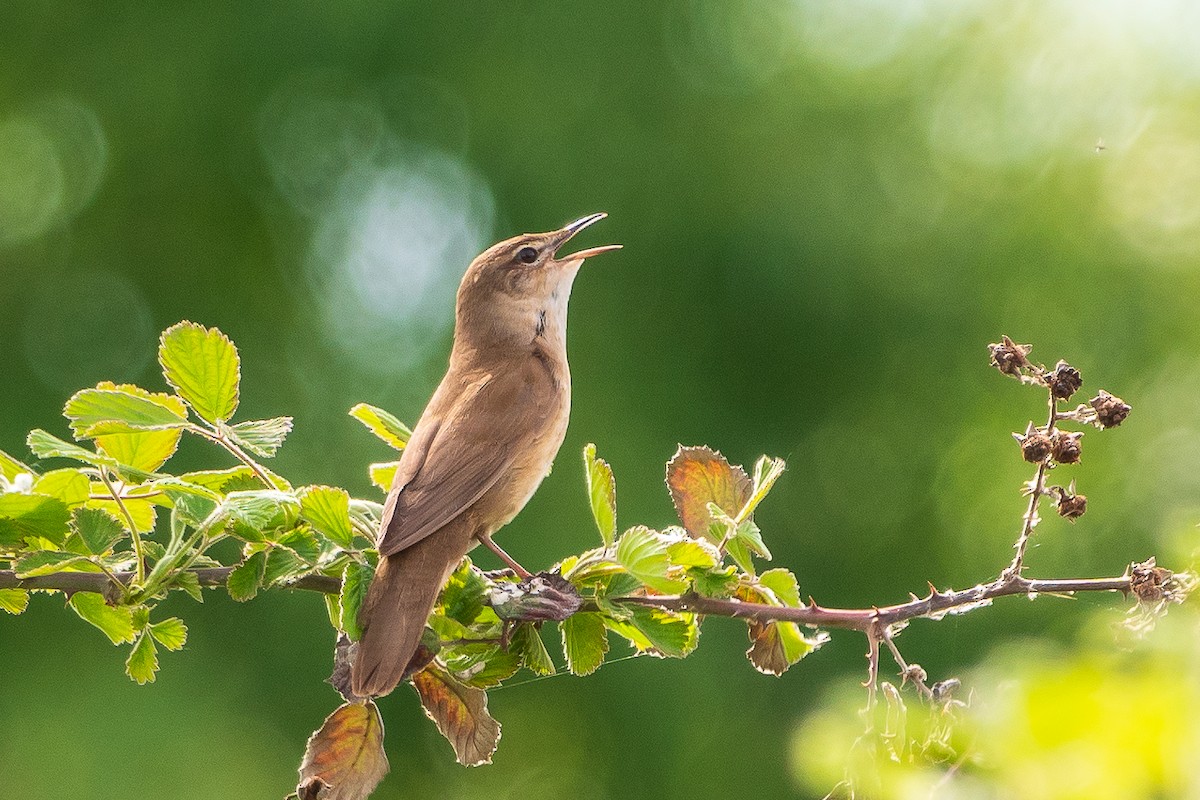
482, 445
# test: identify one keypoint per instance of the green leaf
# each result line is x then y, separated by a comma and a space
262, 437
143, 450
188, 582
14, 601
775, 646
170, 633
741, 555
463, 595
98, 529
749, 533
602, 492
115, 621
766, 471
69, 485
383, 474
222, 481
45, 445
143, 660
283, 565
783, 585
24, 515
489, 666
584, 642
643, 552
48, 562
11, 467
203, 367
527, 642
714, 583
246, 579
658, 632
382, 424
699, 553
143, 512
262, 509
94, 412
356, 579
328, 510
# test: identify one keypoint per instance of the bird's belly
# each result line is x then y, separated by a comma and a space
514, 489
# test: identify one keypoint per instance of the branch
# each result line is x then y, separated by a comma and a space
862, 619
98, 582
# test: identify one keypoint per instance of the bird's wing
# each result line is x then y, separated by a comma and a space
455, 456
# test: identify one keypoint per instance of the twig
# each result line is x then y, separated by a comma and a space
135, 537
98, 582
1030, 520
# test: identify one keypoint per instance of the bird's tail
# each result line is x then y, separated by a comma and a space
393, 616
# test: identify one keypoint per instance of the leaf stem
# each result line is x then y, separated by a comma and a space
140, 567
220, 438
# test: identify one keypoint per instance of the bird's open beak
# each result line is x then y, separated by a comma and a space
575, 227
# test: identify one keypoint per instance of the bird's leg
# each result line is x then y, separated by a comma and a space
486, 539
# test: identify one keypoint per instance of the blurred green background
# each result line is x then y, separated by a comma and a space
828, 211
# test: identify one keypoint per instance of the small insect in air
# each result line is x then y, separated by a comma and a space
1100, 146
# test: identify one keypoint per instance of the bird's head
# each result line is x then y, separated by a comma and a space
520, 287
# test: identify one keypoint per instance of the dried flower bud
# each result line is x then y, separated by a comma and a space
1009, 357
1071, 506
1111, 410
1035, 445
942, 690
1064, 381
1066, 447
1148, 582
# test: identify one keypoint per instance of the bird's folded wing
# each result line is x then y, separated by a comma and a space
453, 459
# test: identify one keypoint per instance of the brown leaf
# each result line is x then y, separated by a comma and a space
698, 476
460, 713
344, 760
766, 651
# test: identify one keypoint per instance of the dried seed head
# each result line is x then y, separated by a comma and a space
1071, 506
1148, 582
1064, 381
1066, 447
942, 690
1035, 445
1111, 410
1009, 357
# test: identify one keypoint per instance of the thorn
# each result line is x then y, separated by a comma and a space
914, 598
933, 590
812, 603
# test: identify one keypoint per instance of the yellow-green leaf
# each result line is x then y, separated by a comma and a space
584, 642
202, 365
171, 633
69, 485
262, 437
602, 492
14, 601
115, 621
384, 425
94, 412
143, 660
327, 509
24, 515
356, 578
383, 474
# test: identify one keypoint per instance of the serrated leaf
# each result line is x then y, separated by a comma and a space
766, 471
384, 425
698, 476
94, 412
775, 646
328, 510
461, 715
584, 642
741, 555
143, 450
143, 512
283, 565
344, 758
202, 365
262, 437
714, 583
383, 474
48, 562
98, 529
46, 445
698, 553
658, 631
11, 467
262, 509
115, 621
171, 633
188, 582
69, 485
223, 481
602, 492
14, 601
527, 642
462, 597
783, 584
142, 663
643, 552
23, 515
482, 666
356, 579
246, 579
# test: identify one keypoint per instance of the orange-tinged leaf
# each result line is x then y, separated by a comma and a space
344, 759
698, 476
460, 713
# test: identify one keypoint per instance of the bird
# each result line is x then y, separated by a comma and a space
482, 446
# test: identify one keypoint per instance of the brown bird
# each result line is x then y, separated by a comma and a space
482, 446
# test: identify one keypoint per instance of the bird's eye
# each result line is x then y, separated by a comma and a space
527, 255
